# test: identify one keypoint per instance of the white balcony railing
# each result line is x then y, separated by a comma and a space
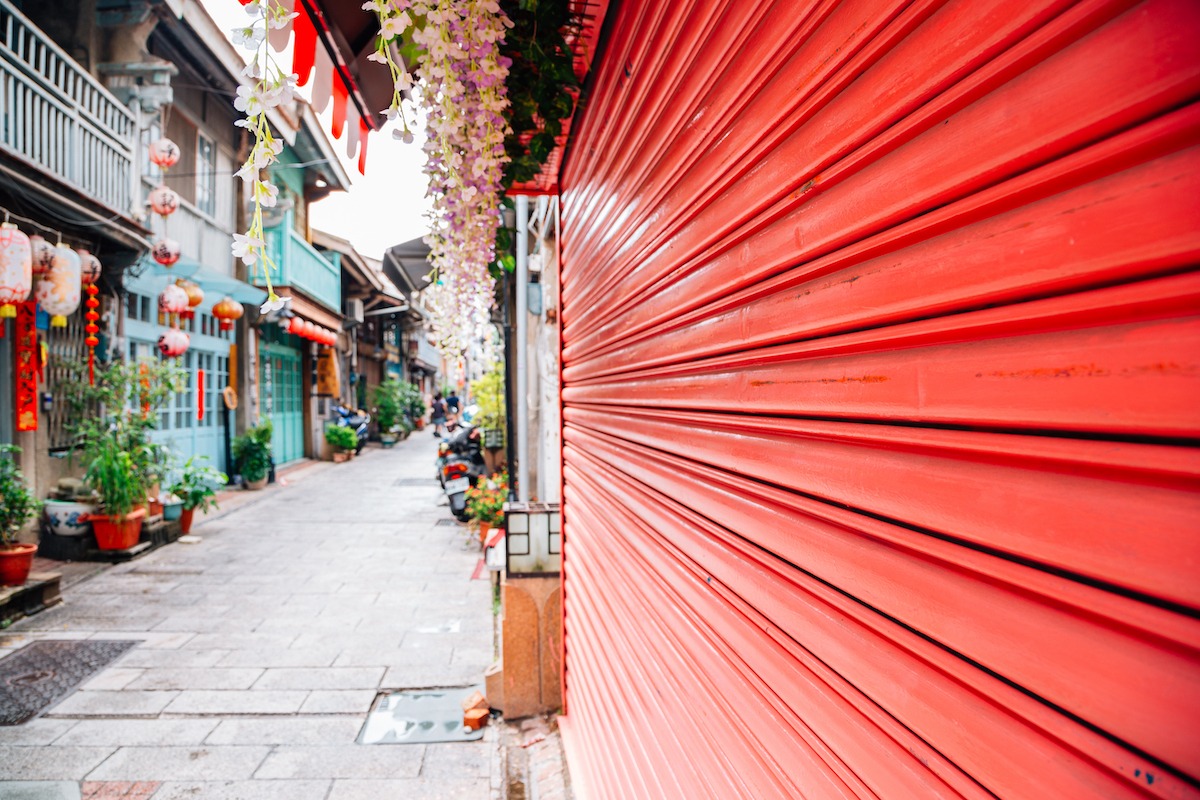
59, 118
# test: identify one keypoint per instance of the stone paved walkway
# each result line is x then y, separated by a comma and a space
263, 646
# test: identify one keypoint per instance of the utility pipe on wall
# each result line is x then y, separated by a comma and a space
521, 351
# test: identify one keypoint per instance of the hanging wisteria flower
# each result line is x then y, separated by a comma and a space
269, 88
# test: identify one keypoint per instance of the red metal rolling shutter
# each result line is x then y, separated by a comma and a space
881, 358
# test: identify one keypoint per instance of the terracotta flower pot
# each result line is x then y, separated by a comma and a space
254, 486
340, 457
118, 533
15, 563
185, 519
485, 530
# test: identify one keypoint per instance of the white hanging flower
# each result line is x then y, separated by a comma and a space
247, 248
274, 303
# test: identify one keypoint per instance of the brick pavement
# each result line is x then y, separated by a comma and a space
263, 646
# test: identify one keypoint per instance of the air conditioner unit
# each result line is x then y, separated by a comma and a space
354, 310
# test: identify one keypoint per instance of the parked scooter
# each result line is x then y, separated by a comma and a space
355, 419
460, 465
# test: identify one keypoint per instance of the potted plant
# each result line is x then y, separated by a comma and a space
17, 507
172, 506
412, 404
388, 410
114, 474
252, 454
197, 488
485, 502
489, 396
69, 508
343, 440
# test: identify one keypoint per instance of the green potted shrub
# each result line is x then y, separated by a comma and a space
114, 475
197, 488
343, 440
17, 507
413, 405
252, 454
388, 410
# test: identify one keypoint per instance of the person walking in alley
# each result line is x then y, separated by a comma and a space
438, 415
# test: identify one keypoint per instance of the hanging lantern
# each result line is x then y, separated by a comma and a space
227, 311
58, 290
166, 251
173, 300
16, 269
89, 267
173, 342
163, 200
43, 255
295, 326
195, 296
164, 153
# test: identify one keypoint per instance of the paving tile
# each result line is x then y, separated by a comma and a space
112, 678
119, 790
239, 641
245, 790
454, 760
50, 763
150, 640
139, 657
128, 732
329, 701
321, 678
346, 761
269, 658
236, 702
200, 762
196, 678
36, 732
124, 703
41, 790
323, 730
410, 790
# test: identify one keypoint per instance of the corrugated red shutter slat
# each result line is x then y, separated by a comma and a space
881, 364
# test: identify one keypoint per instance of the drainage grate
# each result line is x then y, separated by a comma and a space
419, 716
425, 482
42, 673
447, 522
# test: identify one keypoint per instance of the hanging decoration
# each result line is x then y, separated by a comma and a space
166, 251
90, 274
163, 200
227, 311
195, 297
25, 353
58, 290
172, 302
16, 269
173, 342
43, 255
164, 153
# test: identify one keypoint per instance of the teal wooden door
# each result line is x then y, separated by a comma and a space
279, 381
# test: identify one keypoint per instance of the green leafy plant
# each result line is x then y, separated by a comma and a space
114, 474
252, 451
341, 438
388, 407
488, 392
485, 500
17, 503
198, 484
411, 401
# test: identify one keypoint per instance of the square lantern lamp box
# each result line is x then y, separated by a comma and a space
533, 538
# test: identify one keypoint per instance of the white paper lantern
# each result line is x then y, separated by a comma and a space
163, 200
173, 342
89, 267
58, 291
16, 269
164, 153
173, 300
166, 251
43, 255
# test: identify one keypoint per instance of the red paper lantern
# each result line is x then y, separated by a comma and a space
43, 255
164, 153
16, 269
227, 311
166, 251
164, 200
173, 342
173, 300
90, 267
195, 296
296, 326
92, 316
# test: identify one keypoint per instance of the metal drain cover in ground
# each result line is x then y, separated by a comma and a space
419, 716
42, 673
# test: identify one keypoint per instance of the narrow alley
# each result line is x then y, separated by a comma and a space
262, 647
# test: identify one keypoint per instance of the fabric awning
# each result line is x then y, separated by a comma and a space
210, 280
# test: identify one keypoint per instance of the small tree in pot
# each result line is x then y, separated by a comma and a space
197, 488
113, 473
252, 454
17, 507
388, 410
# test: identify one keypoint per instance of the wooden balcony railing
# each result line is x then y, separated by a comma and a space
59, 118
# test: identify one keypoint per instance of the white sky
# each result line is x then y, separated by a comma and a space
384, 207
